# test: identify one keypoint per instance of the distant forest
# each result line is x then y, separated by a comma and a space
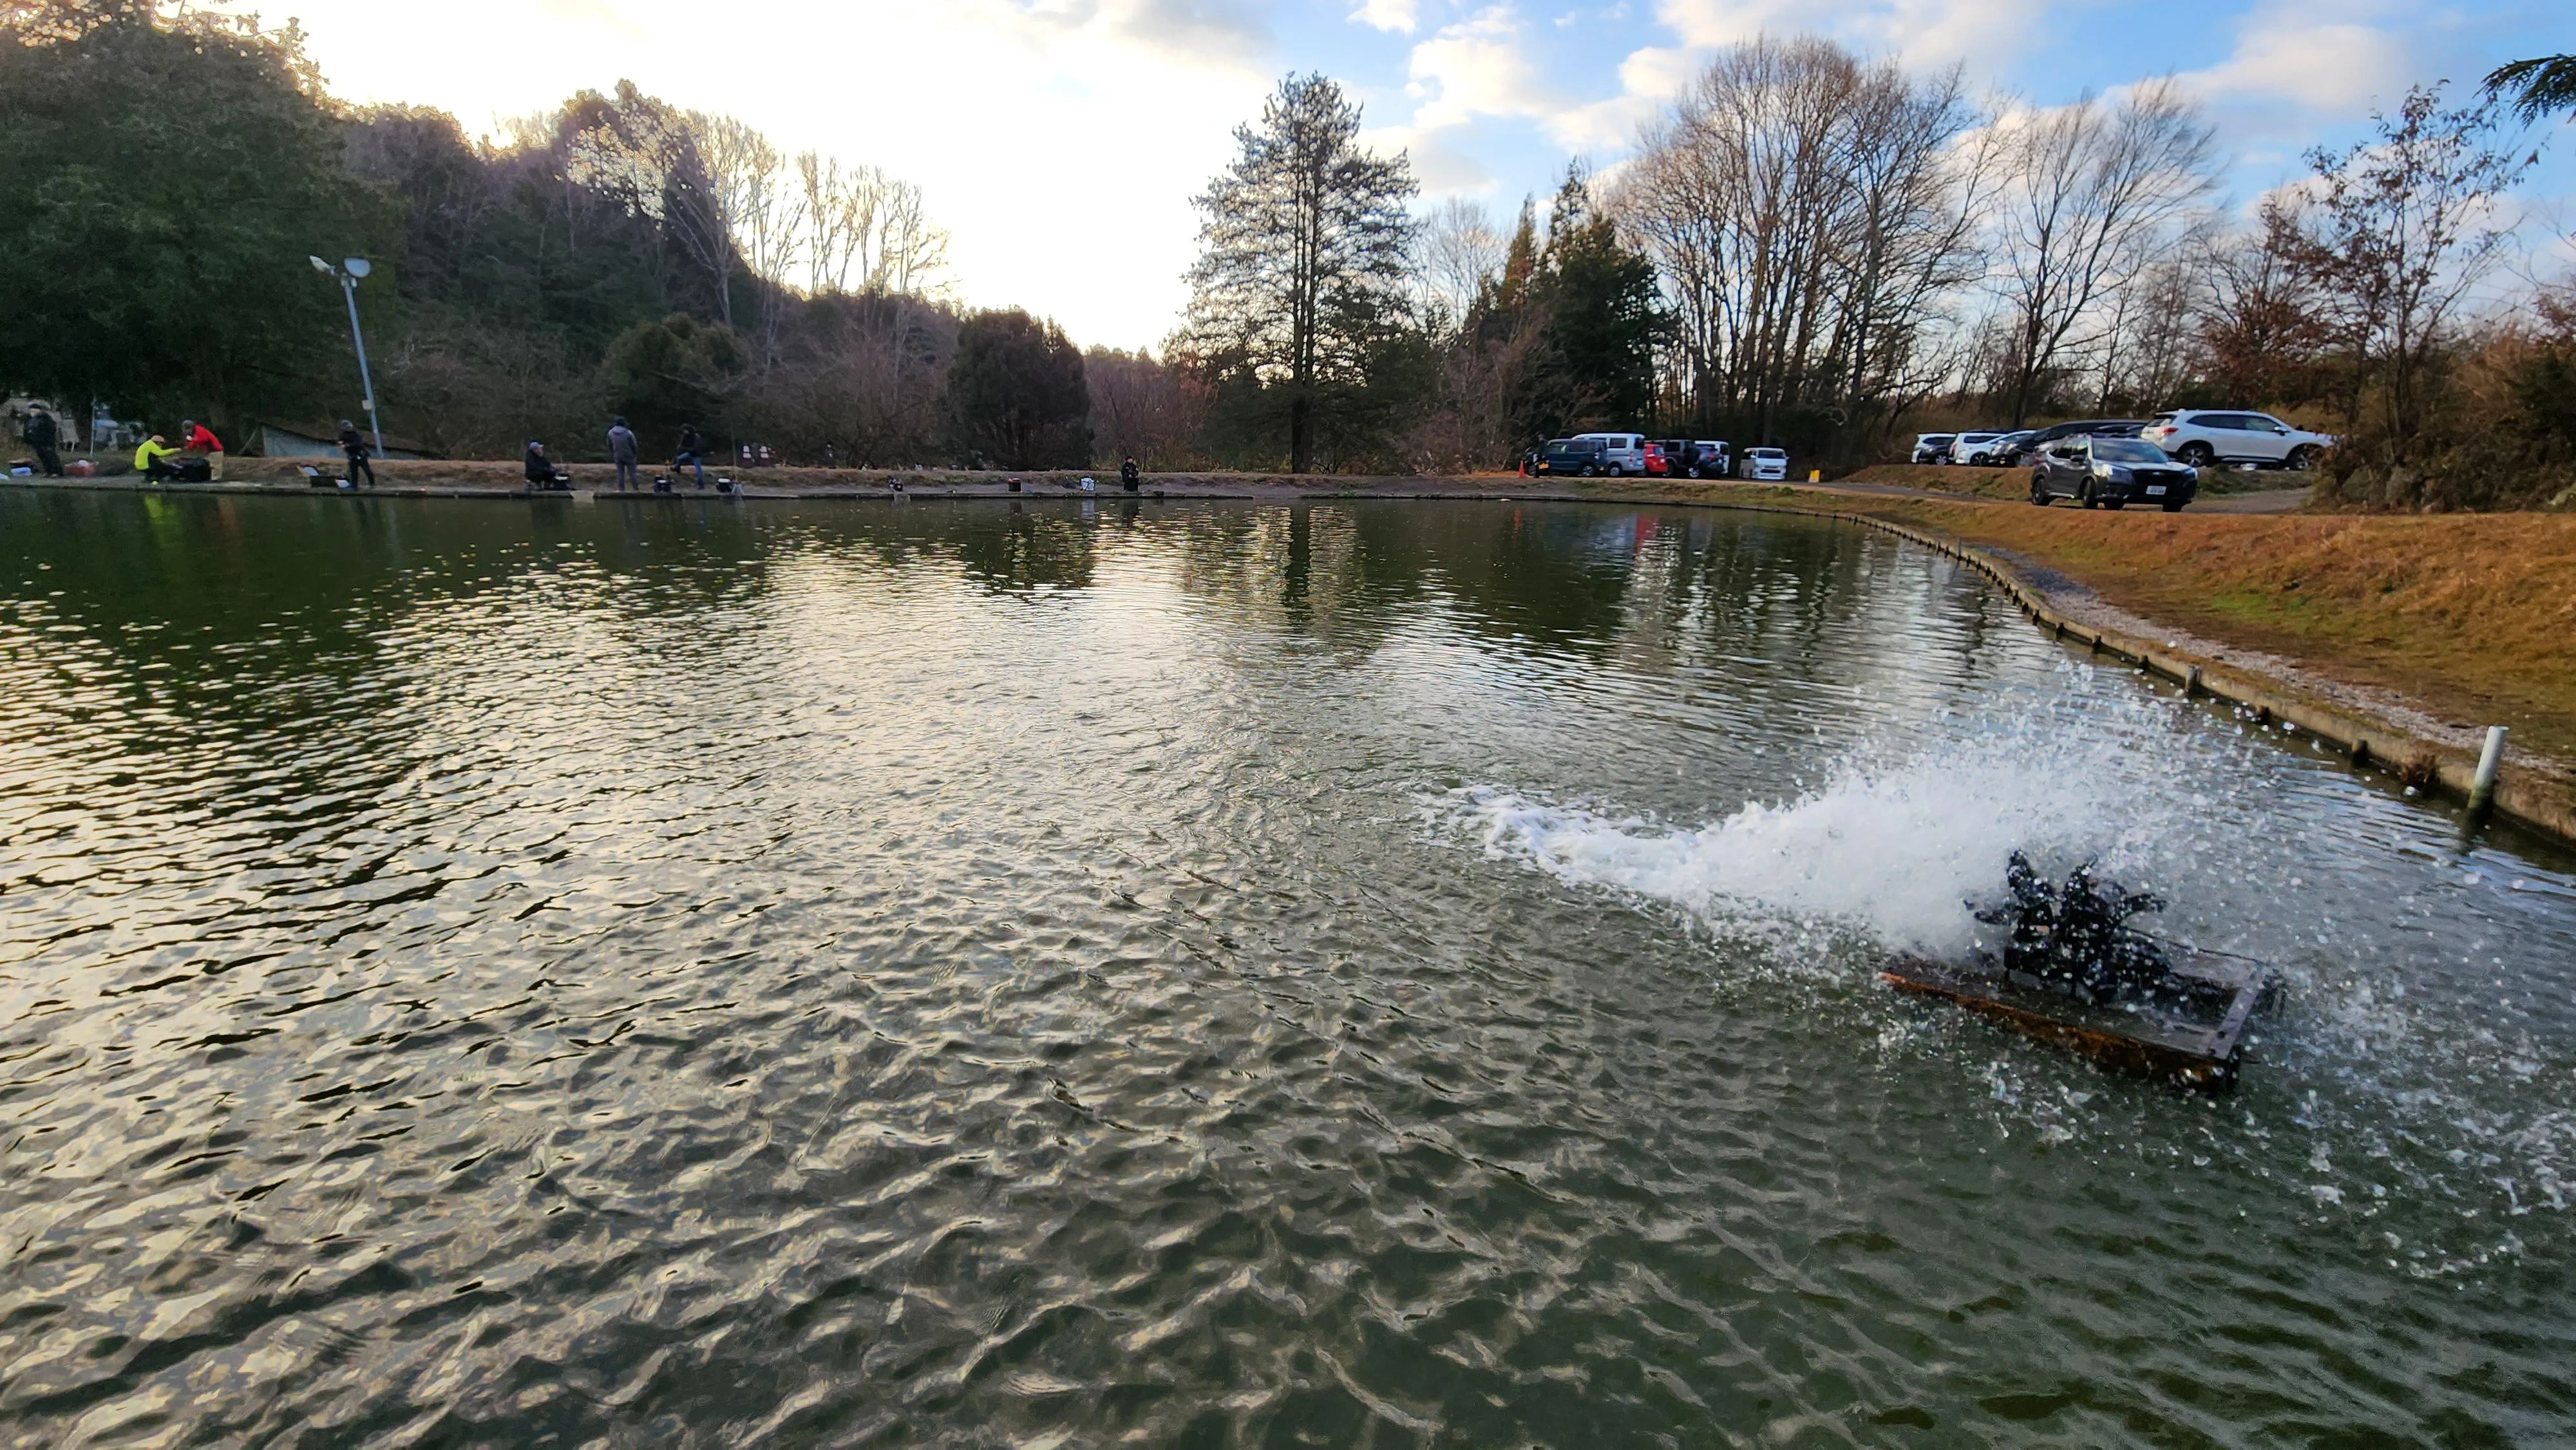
1807, 249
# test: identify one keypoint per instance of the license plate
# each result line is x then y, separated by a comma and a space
2155, 490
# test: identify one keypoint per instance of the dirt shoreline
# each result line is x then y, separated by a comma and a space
2076, 574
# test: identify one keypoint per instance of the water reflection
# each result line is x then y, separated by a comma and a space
689, 972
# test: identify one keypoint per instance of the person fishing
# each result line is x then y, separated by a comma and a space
541, 470
621, 451
354, 445
197, 438
44, 435
692, 453
152, 459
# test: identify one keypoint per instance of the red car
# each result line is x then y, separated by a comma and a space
1658, 465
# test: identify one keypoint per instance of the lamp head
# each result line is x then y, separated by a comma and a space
358, 267
319, 265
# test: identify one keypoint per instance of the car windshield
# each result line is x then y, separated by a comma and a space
2126, 450
1769, 453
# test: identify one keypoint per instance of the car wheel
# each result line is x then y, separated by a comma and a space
2173, 507
2300, 459
2039, 490
1589, 470
2085, 496
2198, 455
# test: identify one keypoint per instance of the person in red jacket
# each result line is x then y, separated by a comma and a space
195, 437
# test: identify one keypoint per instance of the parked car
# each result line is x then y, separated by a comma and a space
1623, 455
2202, 437
2111, 473
1770, 464
1695, 457
1933, 447
1968, 443
1659, 464
2035, 440
1559, 457
1996, 452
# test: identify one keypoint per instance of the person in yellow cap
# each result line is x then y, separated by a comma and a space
152, 459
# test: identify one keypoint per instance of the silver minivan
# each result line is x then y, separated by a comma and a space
1766, 463
1623, 455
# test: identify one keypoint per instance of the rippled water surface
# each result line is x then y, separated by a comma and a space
979, 974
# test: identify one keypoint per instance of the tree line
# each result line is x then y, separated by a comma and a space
1807, 248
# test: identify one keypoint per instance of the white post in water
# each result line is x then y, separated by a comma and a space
2482, 791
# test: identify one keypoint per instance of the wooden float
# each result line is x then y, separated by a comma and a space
2191, 1034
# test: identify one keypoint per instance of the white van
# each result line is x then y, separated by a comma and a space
1766, 463
1623, 455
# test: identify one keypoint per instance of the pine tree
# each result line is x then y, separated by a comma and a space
1297, 293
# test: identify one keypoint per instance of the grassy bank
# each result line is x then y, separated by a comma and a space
2471, 615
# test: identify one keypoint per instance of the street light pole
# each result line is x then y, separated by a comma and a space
347, 274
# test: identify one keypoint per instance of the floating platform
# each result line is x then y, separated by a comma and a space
2193, 1036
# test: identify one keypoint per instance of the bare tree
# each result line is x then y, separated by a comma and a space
1461, 255
1146, 409
2261, 322
2097, 192
1808, 213
2403, 232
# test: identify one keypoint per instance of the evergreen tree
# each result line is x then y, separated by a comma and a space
1018, 394
1599, 302
1297, 295
168, 177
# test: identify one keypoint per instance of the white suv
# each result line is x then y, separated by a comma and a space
2202, 438
1623, 455
1968, 445
1766, 463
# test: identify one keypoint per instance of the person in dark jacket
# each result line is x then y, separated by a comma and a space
45, 435
354, 444
621, 451
692, 453
1127, 473
541, 470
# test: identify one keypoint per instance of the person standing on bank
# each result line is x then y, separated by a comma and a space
196, 437
1127, 473
621, 451
354, 444
45, 435
692, 453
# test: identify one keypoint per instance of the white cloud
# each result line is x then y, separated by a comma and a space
2295, 64
1923, 32
1395, 15
1477, 67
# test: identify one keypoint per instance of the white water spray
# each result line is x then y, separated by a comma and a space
1892, 850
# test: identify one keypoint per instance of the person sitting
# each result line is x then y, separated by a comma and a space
196, 437
152, 460
541, 471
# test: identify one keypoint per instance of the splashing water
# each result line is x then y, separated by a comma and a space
1891, 849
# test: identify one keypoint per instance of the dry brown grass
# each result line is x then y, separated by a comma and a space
2474, 615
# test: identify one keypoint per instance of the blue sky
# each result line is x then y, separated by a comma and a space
1061, 140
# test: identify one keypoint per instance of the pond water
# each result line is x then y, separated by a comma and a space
1037, 974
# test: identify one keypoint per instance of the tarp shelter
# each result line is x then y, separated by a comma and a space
276, 442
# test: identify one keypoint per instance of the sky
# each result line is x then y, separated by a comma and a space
1062, 142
